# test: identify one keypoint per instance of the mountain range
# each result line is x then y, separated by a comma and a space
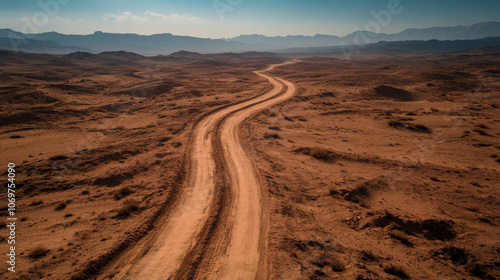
56, 43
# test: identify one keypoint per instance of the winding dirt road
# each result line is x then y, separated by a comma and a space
181, 232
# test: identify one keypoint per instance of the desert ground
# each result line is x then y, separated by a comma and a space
209, 166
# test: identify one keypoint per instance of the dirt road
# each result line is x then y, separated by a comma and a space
180, 233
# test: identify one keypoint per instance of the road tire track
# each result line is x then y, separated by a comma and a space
215, 228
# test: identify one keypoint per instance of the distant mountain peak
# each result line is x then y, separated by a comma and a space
185, 54
99, 41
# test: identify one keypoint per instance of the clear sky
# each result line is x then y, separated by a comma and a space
229, 18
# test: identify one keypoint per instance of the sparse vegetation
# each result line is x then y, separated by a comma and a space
413, 127
397, 271
123, 192
481, 132
368, 256
419, 128
177, 144
457, 255
165, 139
36, 203
38, 252
61, 206
271, 135
58, 157
336, 264
3, 225
318, 153
480, 270
129, 206
327, 94
401, 237
16, 136
396, 124
483, 126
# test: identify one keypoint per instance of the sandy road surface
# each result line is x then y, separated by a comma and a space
179, 234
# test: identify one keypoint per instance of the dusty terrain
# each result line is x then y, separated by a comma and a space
99, 143
382, 168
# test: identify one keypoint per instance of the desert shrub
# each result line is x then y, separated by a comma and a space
85, 192
483, 126
36, 203
419, 128
331, 261
357, 194
16, 136
336, 265
275, 128
165, 139
396, 271
61, 206
481, 132
394, 93
177, 144
396, 124
58, 157
363, 277
129, 206
368, 256
327, 94
431, 229
401, 237
3, 225
272, 135
319, 153
123, 192
457, 255
38, 252
480, 270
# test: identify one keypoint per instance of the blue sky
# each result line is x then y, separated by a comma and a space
228, 18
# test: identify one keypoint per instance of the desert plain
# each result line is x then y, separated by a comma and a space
381, 167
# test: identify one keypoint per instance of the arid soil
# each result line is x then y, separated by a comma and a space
384, 168
99, 143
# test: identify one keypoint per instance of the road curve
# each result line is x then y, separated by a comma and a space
179, 233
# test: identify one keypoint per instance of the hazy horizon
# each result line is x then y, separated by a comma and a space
231, 18
248, 34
